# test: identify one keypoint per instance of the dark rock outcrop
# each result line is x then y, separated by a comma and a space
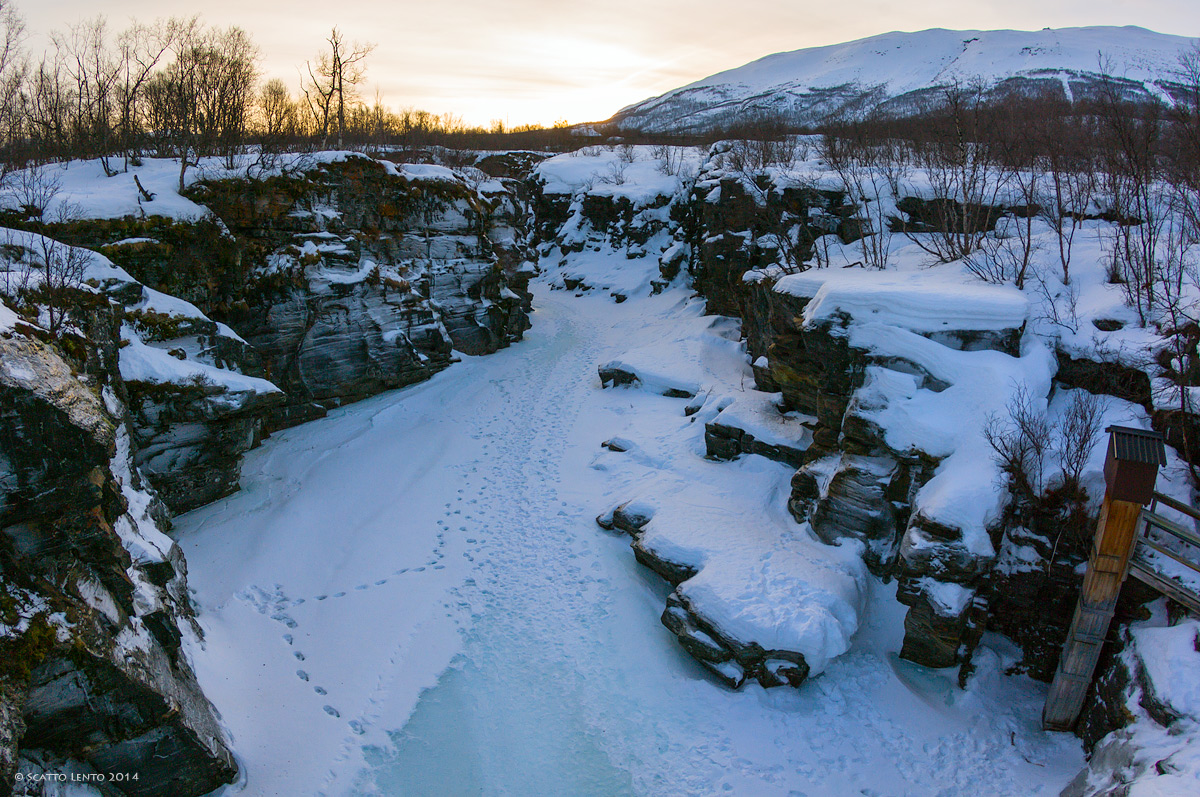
856, 503
732, 662
345, 278
94, 598
192, 437
368, 278
614, 375
725, 438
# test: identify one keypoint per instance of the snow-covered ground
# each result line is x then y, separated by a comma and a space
412, 596
82, 189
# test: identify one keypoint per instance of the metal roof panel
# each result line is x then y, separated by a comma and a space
1138, 445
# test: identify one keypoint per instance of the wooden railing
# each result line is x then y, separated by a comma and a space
1180, 544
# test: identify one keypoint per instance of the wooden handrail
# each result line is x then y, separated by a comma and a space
1172, 589
1160, 522
1167, 552
1178, 506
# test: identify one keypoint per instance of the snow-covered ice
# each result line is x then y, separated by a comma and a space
411, 596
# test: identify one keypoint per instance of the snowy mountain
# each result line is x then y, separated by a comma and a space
896, 70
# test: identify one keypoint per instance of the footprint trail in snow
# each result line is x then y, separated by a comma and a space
411, 596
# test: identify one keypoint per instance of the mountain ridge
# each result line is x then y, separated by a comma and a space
894, 70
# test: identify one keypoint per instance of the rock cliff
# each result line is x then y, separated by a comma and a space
134, 390
878, 388
93, 594
350, 276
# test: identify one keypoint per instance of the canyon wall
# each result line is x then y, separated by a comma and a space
860, 366
186, 341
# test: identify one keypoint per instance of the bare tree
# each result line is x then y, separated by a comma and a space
758, 146
276, 113
1006, 253
13, 70
614, 174
173, 107
1020, 442
47, 106
1023, 443
17, 272
141, 48
228, 90
1137, 193
670, 158
958, 160
1178, 319
33, 190
1017, 161
92, 74
200, 104
62, 266
869, 169
1070, 176
1078, 433
333, 80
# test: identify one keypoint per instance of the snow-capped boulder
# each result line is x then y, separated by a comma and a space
732, 662
775, 616
639, 369
753, 423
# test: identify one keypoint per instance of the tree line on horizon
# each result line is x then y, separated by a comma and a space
182, 89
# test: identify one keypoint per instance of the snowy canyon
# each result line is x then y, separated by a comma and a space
410, 473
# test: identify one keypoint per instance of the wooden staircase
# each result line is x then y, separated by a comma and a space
1167, 554
1133, 537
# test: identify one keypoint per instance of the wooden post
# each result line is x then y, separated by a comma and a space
1130, 471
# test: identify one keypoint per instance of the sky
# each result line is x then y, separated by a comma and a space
539, 61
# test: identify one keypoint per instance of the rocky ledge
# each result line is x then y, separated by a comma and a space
93, 594
135, 391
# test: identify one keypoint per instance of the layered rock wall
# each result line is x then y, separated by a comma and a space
861, 476
322, 285
93, 595
367, 276
297, 293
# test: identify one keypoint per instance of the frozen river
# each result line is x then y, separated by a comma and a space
412, 596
